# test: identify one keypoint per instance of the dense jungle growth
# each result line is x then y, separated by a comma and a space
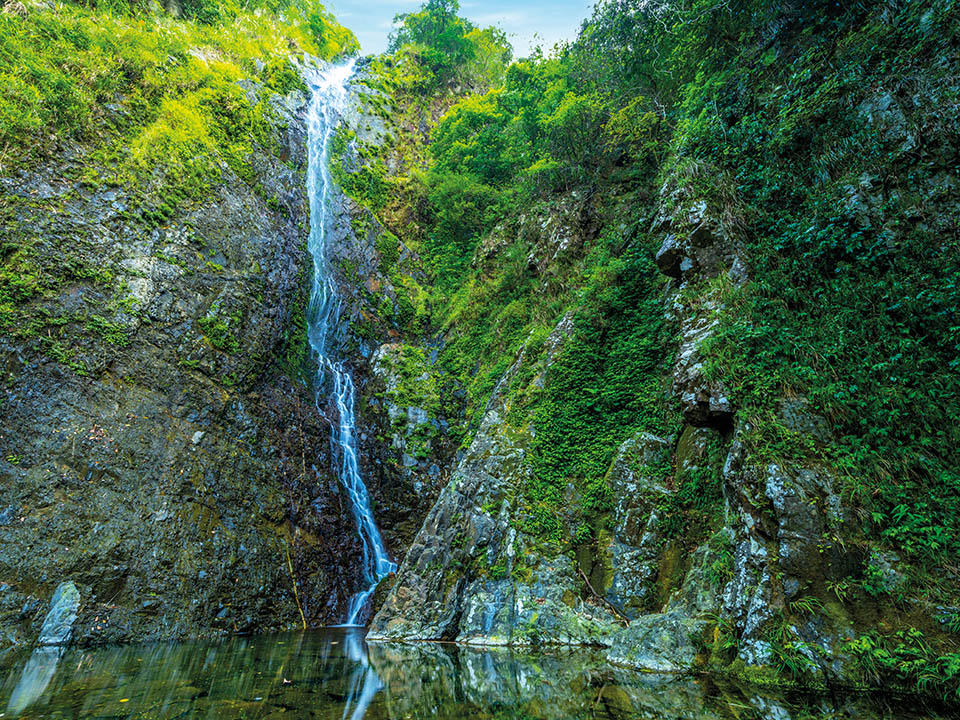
821, 137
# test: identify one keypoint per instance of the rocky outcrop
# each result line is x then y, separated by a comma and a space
154, 450
472, 575
709, 559
662, 643
637, 478
57, 626
758, 593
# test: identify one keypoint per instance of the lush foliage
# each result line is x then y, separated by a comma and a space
605, 385
854, 286
450, 48
150, 102
823, 135
439, 35
905, 659
73, 73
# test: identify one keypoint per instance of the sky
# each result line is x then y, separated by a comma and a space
527, 22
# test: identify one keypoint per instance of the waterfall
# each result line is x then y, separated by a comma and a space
329, 97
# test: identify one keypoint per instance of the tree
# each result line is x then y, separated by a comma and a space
439, 34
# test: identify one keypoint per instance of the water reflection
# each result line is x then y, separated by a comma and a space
34, 679
334, 675
364, 682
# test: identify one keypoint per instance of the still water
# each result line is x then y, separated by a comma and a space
334, 674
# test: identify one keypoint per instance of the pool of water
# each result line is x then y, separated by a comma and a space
335, 674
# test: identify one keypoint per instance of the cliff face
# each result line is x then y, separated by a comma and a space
741, 587
160, 447
144, 430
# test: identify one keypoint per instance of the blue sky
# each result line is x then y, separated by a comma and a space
528, 23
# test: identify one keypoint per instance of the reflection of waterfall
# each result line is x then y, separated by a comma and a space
329, 97
334, 674
364, 683
34, 680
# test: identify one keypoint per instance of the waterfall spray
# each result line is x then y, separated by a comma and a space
329, 97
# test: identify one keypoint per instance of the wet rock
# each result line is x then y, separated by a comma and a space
798, 416
670, 256
173, 451
696, 243
704, 402
636, 480
58, 625
470, 575
665, 643
884, 572
885, 116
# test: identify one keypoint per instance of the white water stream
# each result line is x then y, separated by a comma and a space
329, 95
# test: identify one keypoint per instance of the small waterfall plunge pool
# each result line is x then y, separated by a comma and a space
333, 674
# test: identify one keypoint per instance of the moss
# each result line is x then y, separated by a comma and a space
219, 330
294, 355
760, 675
171, 260
415, 380
388, 246
111, 332
61, 64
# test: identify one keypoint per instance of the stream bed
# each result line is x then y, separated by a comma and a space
334, 674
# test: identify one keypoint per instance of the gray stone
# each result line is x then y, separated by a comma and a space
664, 643
58, 625
469, 578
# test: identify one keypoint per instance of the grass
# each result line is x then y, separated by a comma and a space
163, 108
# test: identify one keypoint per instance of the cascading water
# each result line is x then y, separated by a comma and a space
328, 99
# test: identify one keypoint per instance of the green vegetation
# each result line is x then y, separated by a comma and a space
851, 286
821, 137
164, 84
159, 107
853, 294
416, 381
604, 386
525, 140
449, 47
218, 329
905, 659
516, 210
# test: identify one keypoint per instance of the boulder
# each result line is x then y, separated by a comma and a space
58, 625
662, 643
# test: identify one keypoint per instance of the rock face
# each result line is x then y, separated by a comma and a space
740, 592
154, 450
637, 532
471, 576
770, 548
664, 643
161, 446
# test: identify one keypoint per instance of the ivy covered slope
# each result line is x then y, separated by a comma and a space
152, 292
684, 291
